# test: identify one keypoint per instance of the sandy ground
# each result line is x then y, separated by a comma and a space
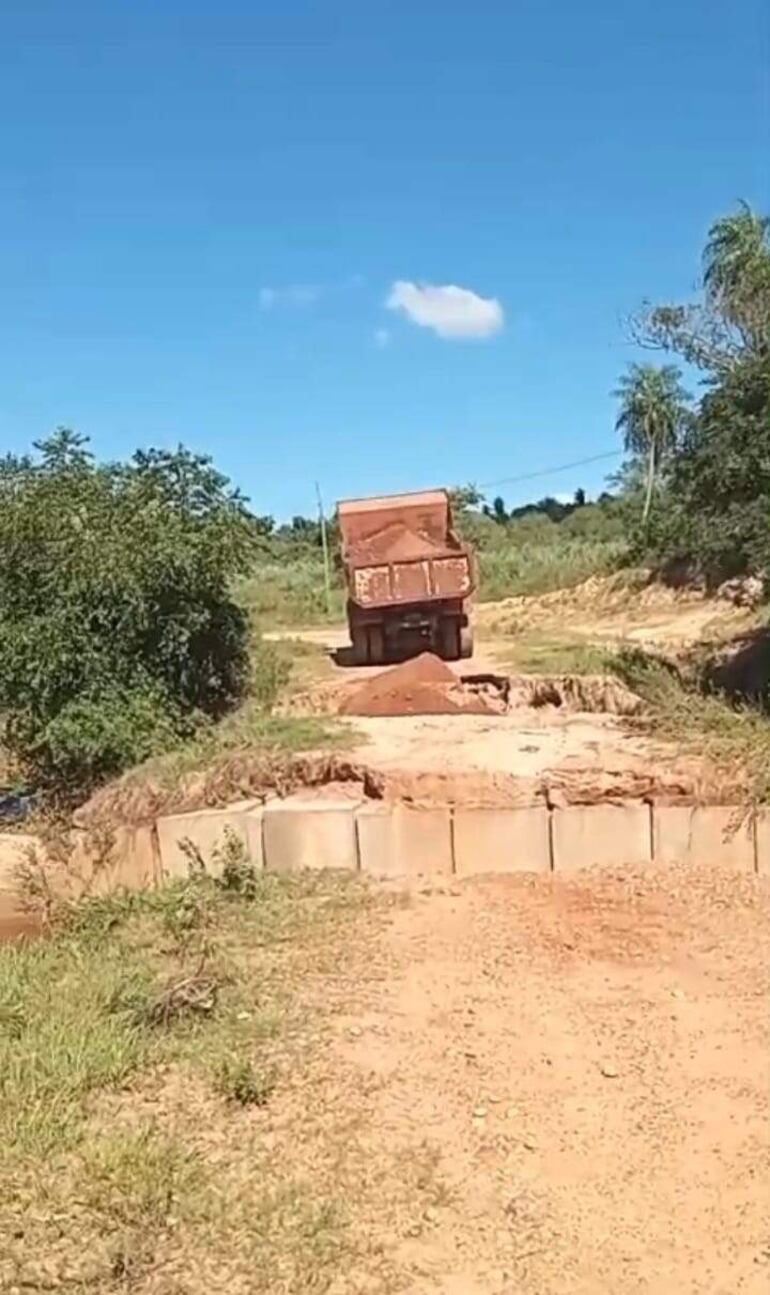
589, 1059
516, 758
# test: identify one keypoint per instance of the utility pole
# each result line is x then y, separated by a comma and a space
325, 548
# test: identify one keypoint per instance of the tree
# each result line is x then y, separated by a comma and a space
736, 275
580, 498
717, 514
733, 317
118, 633
498, 510
653, 412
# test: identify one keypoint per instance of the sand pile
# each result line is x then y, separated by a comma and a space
396, 543
422, 686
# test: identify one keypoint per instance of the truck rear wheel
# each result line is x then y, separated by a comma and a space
449, 639
375, 639
466, 642
360, 640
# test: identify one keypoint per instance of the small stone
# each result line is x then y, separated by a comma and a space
355, 1031
529, 1144
430, 1215
512, 1113
244, 1016
480, 1113
609, 1071
677, 993
494, 1101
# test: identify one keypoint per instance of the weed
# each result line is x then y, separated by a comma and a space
237, 1081
236, 873
66, 1037
138, 1178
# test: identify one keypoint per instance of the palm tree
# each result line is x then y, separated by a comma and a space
737, 270
653, 410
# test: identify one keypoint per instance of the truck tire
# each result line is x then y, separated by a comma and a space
360, 641
375, 645
449, 639
466, 642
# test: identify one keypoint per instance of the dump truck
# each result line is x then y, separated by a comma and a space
408, 577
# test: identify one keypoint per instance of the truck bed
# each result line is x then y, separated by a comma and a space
408, 576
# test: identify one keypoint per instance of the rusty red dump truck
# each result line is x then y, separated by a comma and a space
408, 577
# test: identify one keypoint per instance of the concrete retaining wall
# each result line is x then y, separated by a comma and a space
396, 839
386, 840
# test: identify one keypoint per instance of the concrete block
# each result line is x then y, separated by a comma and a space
403, 839
106, 860
501, 840
304, 832
206, 829
704, 834
584, 835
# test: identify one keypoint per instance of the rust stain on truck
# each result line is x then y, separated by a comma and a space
408, 577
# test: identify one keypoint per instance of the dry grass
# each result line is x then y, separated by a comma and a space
215, 1147
109, 1107
734, 738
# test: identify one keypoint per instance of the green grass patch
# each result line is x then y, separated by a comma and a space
540, 652
139, 1043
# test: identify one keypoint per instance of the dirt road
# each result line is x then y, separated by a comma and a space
588, 1063
573, 753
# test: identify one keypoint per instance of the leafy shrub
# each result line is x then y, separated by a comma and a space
118, 633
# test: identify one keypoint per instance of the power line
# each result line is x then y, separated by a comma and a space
547, 472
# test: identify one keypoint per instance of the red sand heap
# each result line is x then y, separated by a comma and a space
396, 543
423, 686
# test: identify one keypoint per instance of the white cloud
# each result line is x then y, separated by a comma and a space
381, 338
450, 311
293, 294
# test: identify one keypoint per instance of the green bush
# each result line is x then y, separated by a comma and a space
118, 634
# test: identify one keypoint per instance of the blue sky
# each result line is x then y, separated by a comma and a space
205, 206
